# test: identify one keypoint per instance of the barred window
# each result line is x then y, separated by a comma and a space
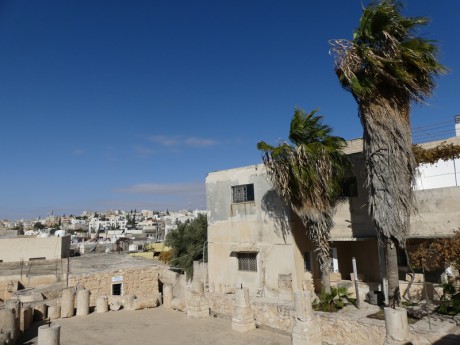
243, 193
247, 262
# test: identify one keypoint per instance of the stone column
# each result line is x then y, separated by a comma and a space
243, 316
54, 311
167, 295
49, 335
397, 327
197, 306
83, 302
102, 304
307, 329
8, 323
68, 303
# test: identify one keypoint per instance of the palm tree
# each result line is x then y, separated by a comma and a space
307, 175
386, 67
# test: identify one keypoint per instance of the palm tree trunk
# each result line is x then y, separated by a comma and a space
325, 278
318, 231
391, 168
391, 255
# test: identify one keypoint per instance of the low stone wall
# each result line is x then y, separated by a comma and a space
138, 281
347, 327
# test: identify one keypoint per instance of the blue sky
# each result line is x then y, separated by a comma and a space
129, 104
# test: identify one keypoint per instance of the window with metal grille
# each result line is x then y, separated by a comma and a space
243, 193
247, 262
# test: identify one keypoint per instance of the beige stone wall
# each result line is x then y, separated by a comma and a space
344, 328
29, 247
138, 281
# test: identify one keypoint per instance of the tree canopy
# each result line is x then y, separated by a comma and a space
187, 242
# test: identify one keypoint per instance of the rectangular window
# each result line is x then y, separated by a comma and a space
247, 262
334, 260
117, 289
307, 262
350, 187
243, 193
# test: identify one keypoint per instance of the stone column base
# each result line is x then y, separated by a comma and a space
243, 319
306, 332
198, 306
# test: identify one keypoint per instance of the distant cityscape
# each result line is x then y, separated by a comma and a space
107, 225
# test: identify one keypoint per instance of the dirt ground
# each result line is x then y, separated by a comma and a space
153, 326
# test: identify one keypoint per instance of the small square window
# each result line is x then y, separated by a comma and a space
117, 289
350, 187
247, 262
243, 193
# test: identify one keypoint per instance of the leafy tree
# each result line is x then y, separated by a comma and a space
438, 254
386, 67
187, 243
39, 226
307, 175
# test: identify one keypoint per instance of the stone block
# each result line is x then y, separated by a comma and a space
306, 332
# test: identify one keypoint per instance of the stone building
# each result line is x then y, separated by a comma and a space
255, 241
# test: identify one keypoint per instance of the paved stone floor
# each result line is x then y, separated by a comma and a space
153, 326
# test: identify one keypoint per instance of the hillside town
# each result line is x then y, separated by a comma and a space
321, 241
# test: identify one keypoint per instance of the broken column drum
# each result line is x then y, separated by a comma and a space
8, 322
102, 304
54, 311
243, 316
306, 328
49, 335
397, 326
83, 302
68, 303
167, 295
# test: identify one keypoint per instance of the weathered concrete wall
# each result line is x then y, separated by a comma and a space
438, 212
138, 281
28, 247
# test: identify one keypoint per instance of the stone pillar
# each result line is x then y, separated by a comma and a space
129, 302
307, 329
197, 306
82, 302
167, 295
68, 303
3, 337
397, 327
49, 335
8, 323
243, 316
102, 304
54, 311
25, 318
39, 312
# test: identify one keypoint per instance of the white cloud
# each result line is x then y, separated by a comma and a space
143, 151
200, 142
176, 141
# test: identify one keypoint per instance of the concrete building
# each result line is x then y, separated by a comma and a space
255, 241
29, 248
